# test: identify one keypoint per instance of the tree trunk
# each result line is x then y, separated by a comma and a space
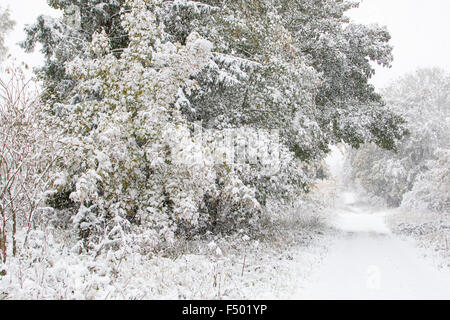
14, 242
3, 238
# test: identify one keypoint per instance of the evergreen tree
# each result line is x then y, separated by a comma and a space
126, 167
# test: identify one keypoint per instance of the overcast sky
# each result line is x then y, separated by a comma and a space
419, 28
420, 33
25, 12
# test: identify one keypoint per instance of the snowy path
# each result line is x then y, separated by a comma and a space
369, 262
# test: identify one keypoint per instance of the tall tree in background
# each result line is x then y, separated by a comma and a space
6, 24
418, 172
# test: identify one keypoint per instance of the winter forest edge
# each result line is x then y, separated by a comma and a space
181, 149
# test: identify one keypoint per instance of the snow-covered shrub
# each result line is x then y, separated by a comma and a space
129, 160
431, 190
26, 155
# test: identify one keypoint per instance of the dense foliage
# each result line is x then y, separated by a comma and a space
271, 57
143, 92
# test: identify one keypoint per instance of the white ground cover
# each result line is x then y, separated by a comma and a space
273, 266
353, 254
368, 261
430, 231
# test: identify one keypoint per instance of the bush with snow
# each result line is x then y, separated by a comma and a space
26, 156
119, 133
431, 190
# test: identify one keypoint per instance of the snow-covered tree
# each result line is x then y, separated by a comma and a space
423, 98
284, 39
131, 165
6, 24
258, 79
294, 65
269, 59
63, 40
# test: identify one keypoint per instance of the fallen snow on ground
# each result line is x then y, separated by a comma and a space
369, 262
272, 266
430, 231
354, 256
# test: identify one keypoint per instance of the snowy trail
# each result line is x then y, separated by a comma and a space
369, 262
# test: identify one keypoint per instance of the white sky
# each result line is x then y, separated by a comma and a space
25, 12
419, 30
